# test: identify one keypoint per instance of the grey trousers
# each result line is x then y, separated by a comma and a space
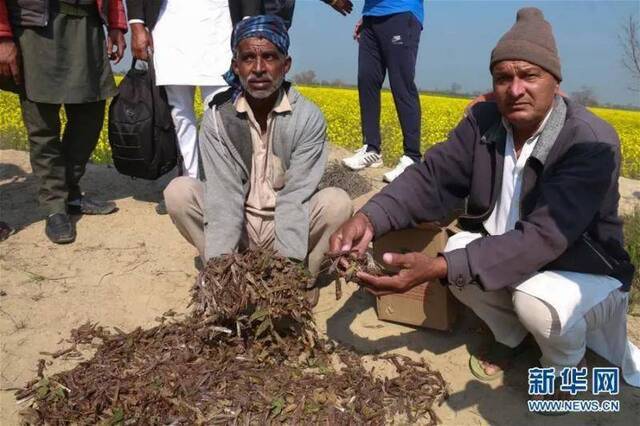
329, 208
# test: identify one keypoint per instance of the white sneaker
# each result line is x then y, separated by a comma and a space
397, 171
362, 159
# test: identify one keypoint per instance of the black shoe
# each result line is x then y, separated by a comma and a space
59, 229
6, 231
198, 263
161, 208
88, 206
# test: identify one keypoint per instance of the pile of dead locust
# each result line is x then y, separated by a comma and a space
223, 365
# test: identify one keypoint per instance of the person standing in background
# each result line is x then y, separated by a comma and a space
54, 53
241, 9
388, 35
189, 42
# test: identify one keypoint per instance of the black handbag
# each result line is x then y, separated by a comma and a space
141, 133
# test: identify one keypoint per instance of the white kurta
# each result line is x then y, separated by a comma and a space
191, 42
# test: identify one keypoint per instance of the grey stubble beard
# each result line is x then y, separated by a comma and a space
261, 94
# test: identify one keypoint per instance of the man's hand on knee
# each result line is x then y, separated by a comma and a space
415, 269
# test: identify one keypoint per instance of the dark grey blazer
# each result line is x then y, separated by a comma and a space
241, 8
149, 10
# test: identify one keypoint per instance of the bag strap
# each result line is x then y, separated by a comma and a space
150, 68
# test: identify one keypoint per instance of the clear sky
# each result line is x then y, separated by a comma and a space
458, 37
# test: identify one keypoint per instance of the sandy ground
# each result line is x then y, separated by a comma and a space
128, 268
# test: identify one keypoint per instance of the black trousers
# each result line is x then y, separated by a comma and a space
59, 163
390, 44
282, 8
241, 8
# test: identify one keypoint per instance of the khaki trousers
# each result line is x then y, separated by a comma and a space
329, 208
511, 314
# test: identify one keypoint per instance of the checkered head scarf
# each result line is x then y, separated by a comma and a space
270, 27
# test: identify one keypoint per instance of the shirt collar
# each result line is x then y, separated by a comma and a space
535, 135
282, 104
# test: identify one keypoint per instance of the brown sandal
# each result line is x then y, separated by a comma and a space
499, 355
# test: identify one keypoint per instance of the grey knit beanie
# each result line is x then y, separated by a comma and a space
530, 39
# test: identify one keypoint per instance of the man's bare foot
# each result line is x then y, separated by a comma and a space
493, 369
498, 358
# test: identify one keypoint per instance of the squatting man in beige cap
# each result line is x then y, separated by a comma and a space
541, 250
263, 152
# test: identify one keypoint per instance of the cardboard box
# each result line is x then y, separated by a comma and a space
429, 305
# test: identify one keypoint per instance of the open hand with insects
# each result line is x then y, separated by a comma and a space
347, 264
354, 235
350, 242
414, 269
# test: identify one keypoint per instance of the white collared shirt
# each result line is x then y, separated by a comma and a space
267, 174
507, 209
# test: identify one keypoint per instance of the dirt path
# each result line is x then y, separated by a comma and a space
126, 269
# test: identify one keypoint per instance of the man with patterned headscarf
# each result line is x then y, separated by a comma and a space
263, 152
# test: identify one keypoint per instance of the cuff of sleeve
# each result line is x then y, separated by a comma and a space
378, 218
136, 21
458, 272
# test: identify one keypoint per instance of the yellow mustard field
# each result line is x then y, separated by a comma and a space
341, 109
